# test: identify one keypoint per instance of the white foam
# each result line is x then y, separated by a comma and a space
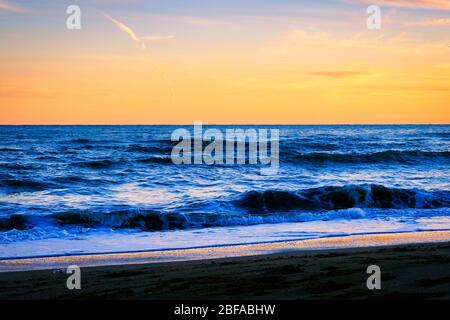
107, 241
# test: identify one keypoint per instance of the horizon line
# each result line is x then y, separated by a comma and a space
225, 124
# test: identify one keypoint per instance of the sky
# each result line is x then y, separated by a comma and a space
224, 62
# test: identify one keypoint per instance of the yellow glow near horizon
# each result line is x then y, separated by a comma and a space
295, 77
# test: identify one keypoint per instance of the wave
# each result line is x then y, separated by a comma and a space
343, 197
87, 141
97, 164
156, 160
150, 220
389, 156
107, 164
16, 166
82, 140
444, 134
150, 149
74, 225
87, 147
14, 222
11, 150
79, 180
13, 185
25, 185
254, 207
147, 220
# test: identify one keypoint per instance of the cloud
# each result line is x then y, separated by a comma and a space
126, 29
352, 47
141, 40
430, 23
195, 21
8, 6
338, 74
426, 4
133, 35
157, 37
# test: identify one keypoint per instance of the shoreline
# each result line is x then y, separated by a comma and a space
352, 242
408, 271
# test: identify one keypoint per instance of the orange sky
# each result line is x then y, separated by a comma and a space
314, 65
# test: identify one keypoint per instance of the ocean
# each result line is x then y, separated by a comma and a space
92, 189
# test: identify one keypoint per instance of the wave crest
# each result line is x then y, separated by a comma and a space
146, 220
389, 156
343, 197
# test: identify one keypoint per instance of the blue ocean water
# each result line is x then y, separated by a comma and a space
91, 183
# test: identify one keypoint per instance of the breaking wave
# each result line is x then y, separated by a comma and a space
343, 197
253, 207
389, 156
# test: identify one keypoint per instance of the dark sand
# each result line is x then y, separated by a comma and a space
408, 272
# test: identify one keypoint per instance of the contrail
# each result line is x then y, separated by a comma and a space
122, 26
153, 38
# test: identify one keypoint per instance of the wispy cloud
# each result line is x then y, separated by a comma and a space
133, 35
122, 26
430, 23
8, 6
312, 45
187, 20
157, 37
427, 4
141, 40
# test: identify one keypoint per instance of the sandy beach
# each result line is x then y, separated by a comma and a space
413, 266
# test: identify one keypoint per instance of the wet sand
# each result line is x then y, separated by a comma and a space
408, 271
204, 253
